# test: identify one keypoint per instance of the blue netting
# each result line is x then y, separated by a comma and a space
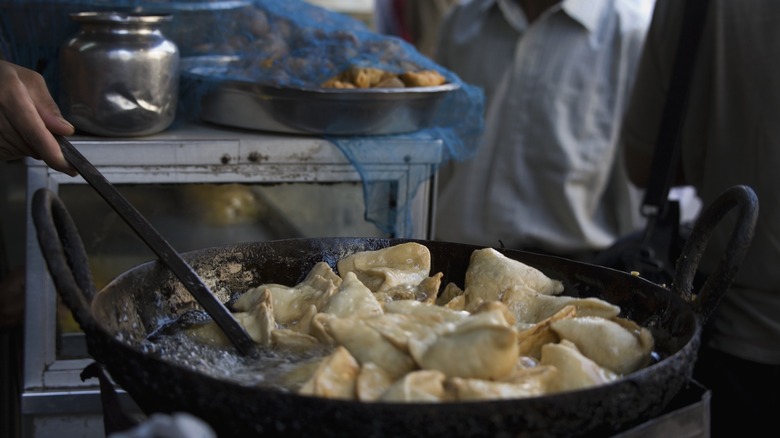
283, 42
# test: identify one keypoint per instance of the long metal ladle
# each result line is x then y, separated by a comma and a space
169, 256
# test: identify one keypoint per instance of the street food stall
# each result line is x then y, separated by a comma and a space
225, 150
289, 139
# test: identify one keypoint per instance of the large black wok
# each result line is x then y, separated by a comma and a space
135, 304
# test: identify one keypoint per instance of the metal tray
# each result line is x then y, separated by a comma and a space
328, 111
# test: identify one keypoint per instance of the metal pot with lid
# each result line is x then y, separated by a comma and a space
118, 319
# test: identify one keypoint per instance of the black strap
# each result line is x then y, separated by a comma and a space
667, 152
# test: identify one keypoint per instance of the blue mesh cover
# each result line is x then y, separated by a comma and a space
282, 42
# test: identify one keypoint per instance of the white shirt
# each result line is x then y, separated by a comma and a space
731, 136
548, 174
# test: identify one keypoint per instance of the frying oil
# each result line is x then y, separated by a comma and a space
281, 369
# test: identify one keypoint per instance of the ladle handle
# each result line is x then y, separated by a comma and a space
167, 255
744, 200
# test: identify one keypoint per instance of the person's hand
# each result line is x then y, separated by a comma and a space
28, 117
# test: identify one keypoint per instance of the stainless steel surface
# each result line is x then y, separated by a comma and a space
71, 414
119, 74
268, 107
688, 415
157, 243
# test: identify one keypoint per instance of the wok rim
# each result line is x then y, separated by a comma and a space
691, 342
